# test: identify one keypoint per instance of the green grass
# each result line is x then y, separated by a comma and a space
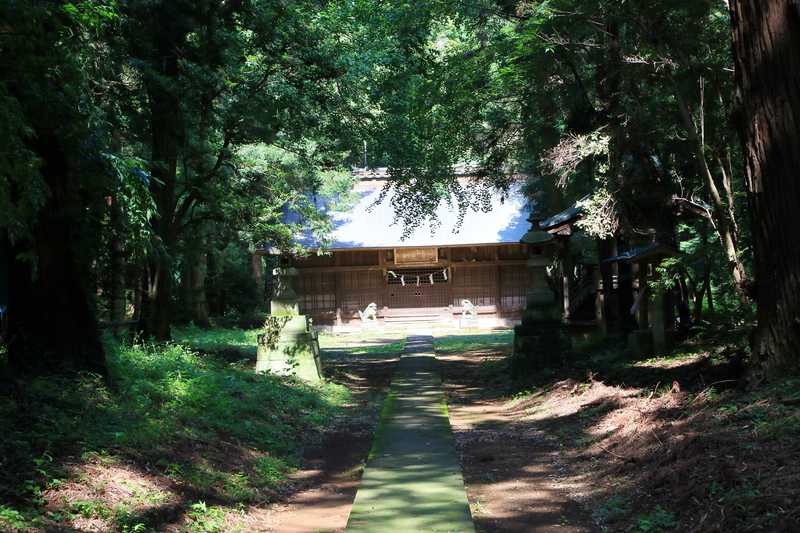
495, 340
387, 409
161, 398
218, 339
367, 344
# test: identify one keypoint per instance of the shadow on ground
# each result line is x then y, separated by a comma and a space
659, 444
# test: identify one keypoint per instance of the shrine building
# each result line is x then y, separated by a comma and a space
425, 276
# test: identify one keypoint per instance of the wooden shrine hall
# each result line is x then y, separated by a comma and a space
426, 275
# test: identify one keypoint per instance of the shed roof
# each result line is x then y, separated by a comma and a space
568, 215
647, 251
373, 224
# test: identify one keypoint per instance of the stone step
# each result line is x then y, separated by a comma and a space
403, 319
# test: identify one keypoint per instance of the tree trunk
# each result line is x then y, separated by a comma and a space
195, 287
117, 299
212, 285
137, 285
51, 320
722, 215
257, 266
5, 262
766, 46
166, 130
200, 307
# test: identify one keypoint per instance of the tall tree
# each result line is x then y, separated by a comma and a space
766, 45
51, 181
217, 76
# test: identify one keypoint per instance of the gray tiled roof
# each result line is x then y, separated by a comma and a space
374, 225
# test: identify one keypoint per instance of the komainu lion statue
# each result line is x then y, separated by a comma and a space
468, 309
370, 313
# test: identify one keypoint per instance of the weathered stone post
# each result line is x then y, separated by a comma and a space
288, 345
660, 341
640, 340
539, 342
284, 299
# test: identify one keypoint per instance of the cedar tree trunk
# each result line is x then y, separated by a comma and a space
166, 130
51, 320
766, 46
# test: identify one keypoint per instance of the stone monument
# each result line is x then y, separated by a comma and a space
288, 345
539, 342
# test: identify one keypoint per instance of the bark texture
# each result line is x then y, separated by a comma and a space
117, 301
51, 319
766, 45
166, 130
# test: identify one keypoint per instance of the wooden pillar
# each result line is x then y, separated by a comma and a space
337, 260
599, 303
566, 268
659, 324
608, 248
497, 303
643, 311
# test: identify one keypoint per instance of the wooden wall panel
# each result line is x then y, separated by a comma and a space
514, 283
476, 284
512, 251
316, 292
359, 258
330, 294
357, 289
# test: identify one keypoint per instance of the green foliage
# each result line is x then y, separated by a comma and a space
656, 520
163, 395
269, 471
207, 519
612, 509
273, 326
12, 519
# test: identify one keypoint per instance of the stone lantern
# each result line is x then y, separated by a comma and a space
288, 345
539, 342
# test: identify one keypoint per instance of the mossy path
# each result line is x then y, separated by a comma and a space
413, 481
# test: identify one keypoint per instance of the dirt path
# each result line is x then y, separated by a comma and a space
324, 504
323, 490
512, 472
513, 477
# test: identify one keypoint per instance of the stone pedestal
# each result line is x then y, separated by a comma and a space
295, 352
640, 342
370, 325
540, 341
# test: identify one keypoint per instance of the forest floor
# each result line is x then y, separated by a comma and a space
615, 443
186, 438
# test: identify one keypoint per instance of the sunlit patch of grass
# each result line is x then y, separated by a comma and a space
218, 339
353, 340
377, 350
210, 519
491, 340
269, 471
667, 360
162, 396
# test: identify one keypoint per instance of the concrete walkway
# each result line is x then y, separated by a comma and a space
412, 482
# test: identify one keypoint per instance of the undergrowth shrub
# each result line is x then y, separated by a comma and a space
159, 396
